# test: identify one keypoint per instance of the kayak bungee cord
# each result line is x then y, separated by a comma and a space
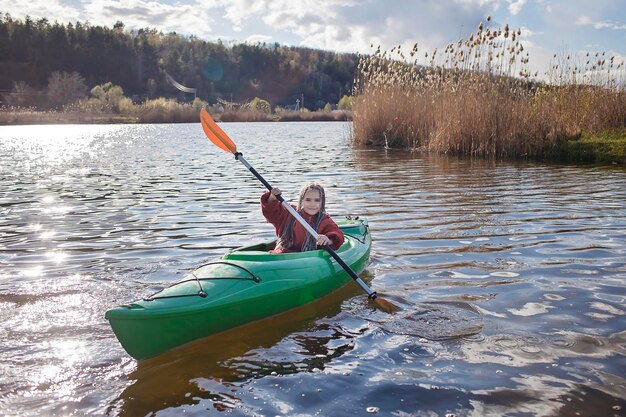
201, 292
367, 230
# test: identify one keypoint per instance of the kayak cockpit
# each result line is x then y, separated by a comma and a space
257, 247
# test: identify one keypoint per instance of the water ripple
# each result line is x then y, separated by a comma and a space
510, 276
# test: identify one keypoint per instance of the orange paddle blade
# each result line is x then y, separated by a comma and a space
215, 133
385, 305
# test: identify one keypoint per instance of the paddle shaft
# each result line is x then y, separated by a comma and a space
371, 294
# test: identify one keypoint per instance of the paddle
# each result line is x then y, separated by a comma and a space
222, 141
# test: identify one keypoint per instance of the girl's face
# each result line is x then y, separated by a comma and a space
311, 202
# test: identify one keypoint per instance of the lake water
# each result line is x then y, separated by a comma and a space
510, 277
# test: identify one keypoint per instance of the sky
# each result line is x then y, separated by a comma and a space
548, 27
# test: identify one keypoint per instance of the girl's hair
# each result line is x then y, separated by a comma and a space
286, 238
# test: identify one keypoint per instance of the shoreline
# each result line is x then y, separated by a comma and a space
607, 147
31, 117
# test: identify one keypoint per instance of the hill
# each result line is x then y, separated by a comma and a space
147, 64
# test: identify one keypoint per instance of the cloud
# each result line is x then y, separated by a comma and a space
51, 10
253, 39
353, 26
136, 14
342, 25
238, 11
601, 24
516, 6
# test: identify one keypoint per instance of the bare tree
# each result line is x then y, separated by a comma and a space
65, 88
22, 95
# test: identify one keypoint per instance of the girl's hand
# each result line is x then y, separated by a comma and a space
273, 193
323, 240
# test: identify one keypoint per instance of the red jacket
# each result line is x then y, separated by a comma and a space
278, 215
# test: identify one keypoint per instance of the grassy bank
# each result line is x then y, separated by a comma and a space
478, 98
608, 147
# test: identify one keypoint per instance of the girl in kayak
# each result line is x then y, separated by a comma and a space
292, 237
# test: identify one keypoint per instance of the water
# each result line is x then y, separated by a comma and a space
510, 277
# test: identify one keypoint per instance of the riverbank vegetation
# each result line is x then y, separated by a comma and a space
105, 104
478, 98
606, 147
148, 64
282, 115
162, 111
55, 73
108, 104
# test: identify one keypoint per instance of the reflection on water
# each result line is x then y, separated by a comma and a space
510, 277
233, 358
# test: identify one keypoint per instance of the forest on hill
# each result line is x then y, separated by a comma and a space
148, 64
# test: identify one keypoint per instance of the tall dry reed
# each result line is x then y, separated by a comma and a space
478, 97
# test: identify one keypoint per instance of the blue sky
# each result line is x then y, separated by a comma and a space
548, 26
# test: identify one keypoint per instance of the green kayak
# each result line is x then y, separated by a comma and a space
246, 284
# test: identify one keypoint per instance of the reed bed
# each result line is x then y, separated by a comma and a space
317, 116
284, 116
159, 110
27, 116
477, 97
163, 110
245, 116
156, 111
